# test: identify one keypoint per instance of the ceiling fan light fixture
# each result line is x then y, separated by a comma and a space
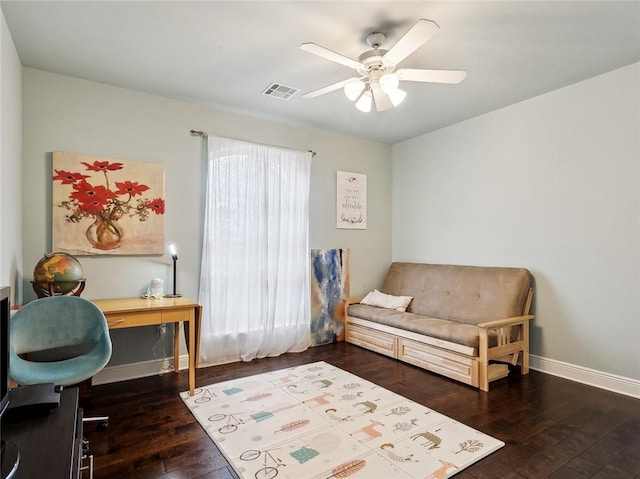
378, 80
364, 102
397, 96
354, 89
389, 82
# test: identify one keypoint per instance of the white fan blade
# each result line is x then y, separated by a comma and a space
330, 88
330, 55
381, 99
431, 76
417, 36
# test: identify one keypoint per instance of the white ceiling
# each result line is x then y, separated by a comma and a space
224, 54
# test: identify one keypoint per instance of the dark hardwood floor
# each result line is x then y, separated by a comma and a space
552, 427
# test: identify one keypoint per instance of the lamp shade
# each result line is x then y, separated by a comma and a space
354, 89
397, 96
364, 102
389, 82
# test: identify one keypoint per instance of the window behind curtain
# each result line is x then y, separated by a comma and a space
255, 278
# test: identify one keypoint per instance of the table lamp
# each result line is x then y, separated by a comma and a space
174, 257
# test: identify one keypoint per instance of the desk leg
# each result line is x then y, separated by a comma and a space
176, 347
198, 330
192, 355
198, 327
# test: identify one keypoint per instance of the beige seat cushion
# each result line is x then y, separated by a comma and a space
459, 333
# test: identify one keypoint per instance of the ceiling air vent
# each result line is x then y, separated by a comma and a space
280, 91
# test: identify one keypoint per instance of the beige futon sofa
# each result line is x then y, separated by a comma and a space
464, 322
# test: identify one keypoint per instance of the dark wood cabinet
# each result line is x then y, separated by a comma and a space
50, 445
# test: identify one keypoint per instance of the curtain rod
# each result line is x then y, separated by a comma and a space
206, 135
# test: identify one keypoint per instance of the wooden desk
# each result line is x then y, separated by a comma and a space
135, 312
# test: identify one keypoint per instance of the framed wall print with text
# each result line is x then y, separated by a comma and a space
351, 200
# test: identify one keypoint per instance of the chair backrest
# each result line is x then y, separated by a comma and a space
55, 322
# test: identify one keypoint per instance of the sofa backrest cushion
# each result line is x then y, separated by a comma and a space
469, 294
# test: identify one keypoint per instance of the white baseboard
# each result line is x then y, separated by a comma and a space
599, 379
124, 372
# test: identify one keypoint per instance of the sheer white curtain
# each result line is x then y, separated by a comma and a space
255, 277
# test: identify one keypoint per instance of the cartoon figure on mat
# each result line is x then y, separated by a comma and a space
331, 413
369, 431
323, 383
318, 400
431, 440
351, 397
405, 426
368, 405
293, 388
388, 446
441, 472
320, 444
287, 379
351, 386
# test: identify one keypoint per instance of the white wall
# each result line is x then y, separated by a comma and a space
68, 114
551, 184
10, 163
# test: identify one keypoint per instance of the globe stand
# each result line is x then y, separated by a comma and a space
52, 288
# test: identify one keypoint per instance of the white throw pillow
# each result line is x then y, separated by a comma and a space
382, 300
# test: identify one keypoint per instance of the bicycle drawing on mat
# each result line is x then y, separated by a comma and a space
270, 462
231, 425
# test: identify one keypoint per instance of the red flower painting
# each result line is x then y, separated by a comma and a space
104, 202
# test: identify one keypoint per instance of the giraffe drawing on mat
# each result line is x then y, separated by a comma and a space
441, 472
323, 383
318, 400
369, 430
369, 406
288, 379
431, 440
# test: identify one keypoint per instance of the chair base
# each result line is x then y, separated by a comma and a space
103, 421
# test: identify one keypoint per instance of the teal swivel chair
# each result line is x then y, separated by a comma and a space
52, 324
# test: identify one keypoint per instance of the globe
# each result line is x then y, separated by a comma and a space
57, 272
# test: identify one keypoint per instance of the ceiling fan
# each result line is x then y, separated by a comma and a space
378, 78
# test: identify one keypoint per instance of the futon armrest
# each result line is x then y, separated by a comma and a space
353, 300
498, 323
